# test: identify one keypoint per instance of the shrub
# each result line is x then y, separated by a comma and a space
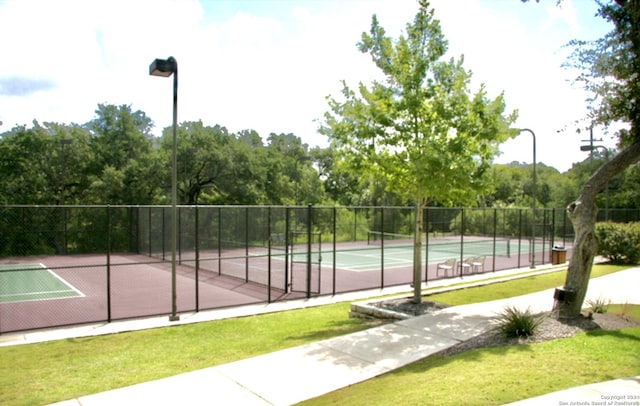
513, 322
624, 310
619, 242
598, 305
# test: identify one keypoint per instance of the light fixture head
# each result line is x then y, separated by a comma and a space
163, 67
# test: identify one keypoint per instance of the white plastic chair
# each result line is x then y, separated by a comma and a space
478, 264
446, 266
466, 266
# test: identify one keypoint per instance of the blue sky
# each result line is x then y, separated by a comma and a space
268, 65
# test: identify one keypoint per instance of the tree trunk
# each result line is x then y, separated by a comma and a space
583, 217
582, 214
417, 251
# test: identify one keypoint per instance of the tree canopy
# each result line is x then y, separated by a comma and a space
420, 131
610, 71
113, 159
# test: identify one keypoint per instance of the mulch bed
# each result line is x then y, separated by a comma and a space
550, 329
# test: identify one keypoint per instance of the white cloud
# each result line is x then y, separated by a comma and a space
245, 65
517, 48
564, 12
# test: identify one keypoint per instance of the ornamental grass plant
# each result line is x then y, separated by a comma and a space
514, 322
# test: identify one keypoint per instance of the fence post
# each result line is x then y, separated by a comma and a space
381, 247
553, 227
109, 263
164, 232
219, 242
461, 238
269, 254
545, 220
196, 242
495, 235
309, 246
355, 224
246, 244
519, 235
426, 245
333, 283
287, 242
149, 231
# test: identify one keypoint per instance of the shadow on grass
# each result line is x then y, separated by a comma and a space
476, 355
625, 334
337, 328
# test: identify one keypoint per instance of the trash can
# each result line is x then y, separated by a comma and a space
558, 255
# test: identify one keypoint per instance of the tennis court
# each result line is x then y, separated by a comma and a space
47, 291
28, 282
71, 272
392, 251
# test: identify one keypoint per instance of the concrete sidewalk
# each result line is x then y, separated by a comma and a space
296, 374
615, 392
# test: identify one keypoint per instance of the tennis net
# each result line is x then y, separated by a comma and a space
483, 246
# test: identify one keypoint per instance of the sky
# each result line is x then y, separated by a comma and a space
269, 65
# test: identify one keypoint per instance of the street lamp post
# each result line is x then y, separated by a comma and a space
591, 148
166, 68
535, 197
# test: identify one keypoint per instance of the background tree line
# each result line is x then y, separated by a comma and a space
114, 159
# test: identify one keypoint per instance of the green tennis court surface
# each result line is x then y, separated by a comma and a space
27, 282
398, 253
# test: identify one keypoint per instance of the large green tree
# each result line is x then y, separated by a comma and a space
48, 163
420, 130
125, 168
292, 180
513, 185
610, 71
205, 162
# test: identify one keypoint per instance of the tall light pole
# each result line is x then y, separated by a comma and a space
535, 197
166, 68
591, 148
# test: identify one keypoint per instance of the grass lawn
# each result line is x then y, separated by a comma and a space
48, 372
37, 374
495, 376
500, 375
516, 287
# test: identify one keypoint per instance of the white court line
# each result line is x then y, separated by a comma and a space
43, 292
71, 289
70, 286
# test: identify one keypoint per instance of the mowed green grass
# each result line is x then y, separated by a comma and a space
515, 287
500, 375
495, 376
48, 372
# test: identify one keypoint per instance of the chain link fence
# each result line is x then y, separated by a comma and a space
65, 265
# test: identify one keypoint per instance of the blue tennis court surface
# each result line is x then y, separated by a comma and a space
28, 282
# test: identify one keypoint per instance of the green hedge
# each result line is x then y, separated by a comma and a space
620, 242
